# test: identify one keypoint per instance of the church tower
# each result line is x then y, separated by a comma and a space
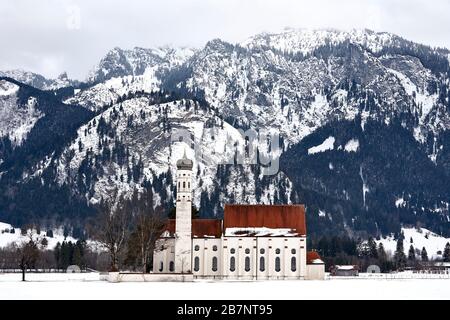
183, 225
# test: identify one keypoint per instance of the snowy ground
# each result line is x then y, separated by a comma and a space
88, 286
420, 238
7, 238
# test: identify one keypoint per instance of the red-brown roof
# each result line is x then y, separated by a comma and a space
312, 256
201, 228
268, 216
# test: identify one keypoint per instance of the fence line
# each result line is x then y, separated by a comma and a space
6, 270
391, 276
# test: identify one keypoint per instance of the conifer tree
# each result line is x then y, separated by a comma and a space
411, 253
373, 253
424, 254
446, 254
77, 258
399, 256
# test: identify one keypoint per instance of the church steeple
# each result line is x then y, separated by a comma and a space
184, 163
183, 224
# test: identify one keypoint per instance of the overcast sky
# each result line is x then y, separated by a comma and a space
52, 36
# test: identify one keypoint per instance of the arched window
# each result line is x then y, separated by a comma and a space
179, 185
232, 264
277, 264
196, 248
277, 251
161, 266
293, 264
247, 251
262, 263
171, 266
247, 264
189, 184
184, 184
214, 248
293, 251
196, 264
214, 264
262, 251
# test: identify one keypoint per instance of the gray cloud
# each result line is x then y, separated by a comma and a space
51, 36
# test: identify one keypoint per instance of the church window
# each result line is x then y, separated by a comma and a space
232, 264
247, 251
161, 266
214, 264
247, 264
293, 251
277, 264
214, 248
277, 251
232, 251
293, 264
171, 266
196, 264
262, 251
262, 263
196, 248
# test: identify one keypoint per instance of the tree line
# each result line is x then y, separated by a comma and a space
343, 250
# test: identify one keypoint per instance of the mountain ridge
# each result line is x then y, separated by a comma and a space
359, 87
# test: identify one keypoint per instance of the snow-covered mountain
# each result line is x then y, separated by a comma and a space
138, 61
38, 81
363, 117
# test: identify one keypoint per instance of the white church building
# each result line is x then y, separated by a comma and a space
252, 242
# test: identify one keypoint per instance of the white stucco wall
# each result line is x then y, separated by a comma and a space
246, 247
165, 254
315, 272
208, 249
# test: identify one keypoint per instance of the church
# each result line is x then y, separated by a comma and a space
252, 242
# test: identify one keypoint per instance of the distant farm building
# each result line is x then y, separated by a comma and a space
344, 271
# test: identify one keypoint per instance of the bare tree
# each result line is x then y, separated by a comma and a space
149, 225
148, 230
28, 253
111, 229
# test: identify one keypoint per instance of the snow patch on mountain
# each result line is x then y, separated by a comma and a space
8, 88
400, 202
16, 120
424, 100
352, 145
327, 144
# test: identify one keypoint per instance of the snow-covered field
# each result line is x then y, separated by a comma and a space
7, 238
420, 238
88, 286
